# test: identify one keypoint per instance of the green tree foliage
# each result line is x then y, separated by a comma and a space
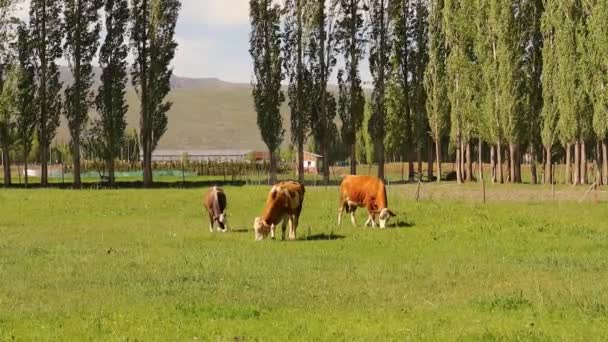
350, 36
598, 63
82, 27
436, 80
8, 108
462, 75
299, 77
111, 96
321, 56
379, 64
265, 50
153, 44
26, 117
550, 113
532, 97
46, 32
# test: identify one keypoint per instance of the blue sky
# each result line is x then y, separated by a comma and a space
213, 38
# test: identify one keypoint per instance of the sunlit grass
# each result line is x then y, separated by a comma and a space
137, 264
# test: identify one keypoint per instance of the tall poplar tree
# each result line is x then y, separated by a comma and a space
321, 53
265, 50
463, 77
597, 52
46, 32
379, 63
532, 44
351, 42
82, 28
153, 44
294, 48
26, 109
8, 107
550, 84
111, 97
437, 103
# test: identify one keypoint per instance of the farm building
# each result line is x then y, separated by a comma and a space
312, 162
200, 155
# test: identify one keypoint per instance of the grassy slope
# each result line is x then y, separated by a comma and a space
205, 115
107, 265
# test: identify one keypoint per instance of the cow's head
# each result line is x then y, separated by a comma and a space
261, 229
385, 215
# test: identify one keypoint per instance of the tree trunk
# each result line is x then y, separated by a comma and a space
577, 163
301, 158
25, 176
469, 164
438, 154
568, 172
533, 165
111, 173
273, 167
429, 160
480, 160
512, 177
584, 173
44, 160
419, 160
518, 161
500, 177
458, 159
76, 158
548, 167
598, 162
6, 163
493, 163
353, 158
410, 165
325, 162
605, 162
380, 156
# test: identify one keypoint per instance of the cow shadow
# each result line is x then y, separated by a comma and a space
401, 224
241, 231
323, 237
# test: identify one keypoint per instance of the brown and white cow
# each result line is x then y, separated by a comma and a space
215, 203
283, 204
368, 192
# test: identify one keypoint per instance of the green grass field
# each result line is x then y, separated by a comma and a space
142, 265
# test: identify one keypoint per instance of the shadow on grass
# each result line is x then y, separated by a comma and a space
402, 224
323, 237
241, 231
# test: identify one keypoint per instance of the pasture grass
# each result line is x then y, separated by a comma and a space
142, 265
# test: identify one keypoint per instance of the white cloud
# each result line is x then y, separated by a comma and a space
220, 13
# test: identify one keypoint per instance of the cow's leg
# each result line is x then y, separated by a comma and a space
373, 218
272, 232
370, 220
340, 211
294, 227
284, 227
211, 223
352, 217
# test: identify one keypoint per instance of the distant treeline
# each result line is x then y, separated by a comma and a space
33, 99
505, 82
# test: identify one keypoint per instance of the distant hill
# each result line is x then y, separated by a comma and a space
207, 113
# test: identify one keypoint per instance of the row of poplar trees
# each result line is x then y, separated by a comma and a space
34, 98
491, 79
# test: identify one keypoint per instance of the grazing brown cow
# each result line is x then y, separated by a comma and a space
215, 203
368, 192
284, 203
